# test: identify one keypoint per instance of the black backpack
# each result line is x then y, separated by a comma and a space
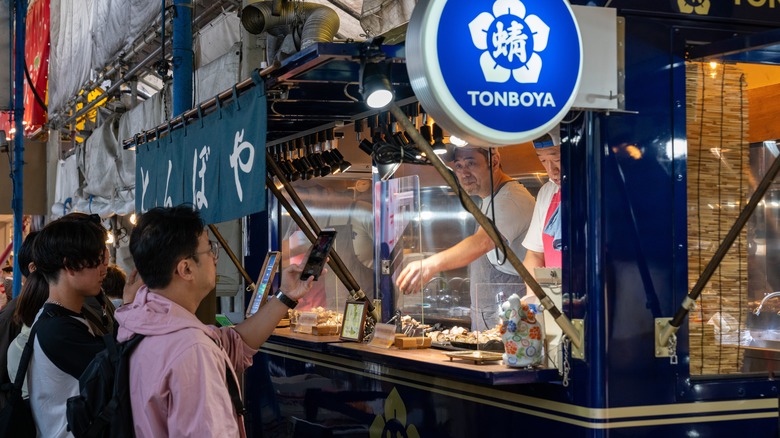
102, 408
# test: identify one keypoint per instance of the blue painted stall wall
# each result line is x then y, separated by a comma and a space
640, 217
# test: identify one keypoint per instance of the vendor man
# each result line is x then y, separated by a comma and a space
512, 205
543, 240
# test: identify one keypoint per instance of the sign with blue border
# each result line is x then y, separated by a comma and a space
216, 163
496, 73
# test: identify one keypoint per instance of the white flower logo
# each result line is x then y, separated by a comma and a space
511, 41
700, 7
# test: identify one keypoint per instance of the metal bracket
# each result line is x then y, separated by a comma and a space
579, 353
385, 267
661, 350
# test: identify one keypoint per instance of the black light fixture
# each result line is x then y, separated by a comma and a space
386, 170
375, 87
344, 165
439, 148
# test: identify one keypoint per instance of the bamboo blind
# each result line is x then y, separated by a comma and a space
718, 168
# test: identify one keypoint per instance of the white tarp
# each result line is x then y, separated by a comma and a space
67, 185
5, 56
100, 155
379, 16
89, 34
219, 75
216, 39
147, 115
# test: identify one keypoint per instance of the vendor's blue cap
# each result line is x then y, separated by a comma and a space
552, 138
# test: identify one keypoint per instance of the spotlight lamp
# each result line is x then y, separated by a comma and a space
438, 140
375, 87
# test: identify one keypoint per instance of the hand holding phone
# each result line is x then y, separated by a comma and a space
319, 254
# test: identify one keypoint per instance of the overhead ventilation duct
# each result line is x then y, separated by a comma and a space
320, 25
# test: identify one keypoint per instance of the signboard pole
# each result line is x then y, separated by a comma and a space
564, 322
17, 203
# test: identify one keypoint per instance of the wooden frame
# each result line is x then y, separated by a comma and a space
263, 285
353, 321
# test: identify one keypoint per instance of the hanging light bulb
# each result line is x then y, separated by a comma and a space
133, 219
110, 238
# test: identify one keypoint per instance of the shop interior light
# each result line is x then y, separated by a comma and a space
375, 87
439, 148
133, 219
455, 141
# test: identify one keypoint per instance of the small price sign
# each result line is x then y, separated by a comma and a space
306, 322
384, 336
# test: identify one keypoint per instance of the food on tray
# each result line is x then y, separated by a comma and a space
328, 321
463, 335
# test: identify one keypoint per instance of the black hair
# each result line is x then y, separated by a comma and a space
34, 293
114, 282
76, 241
162, 237
26, 253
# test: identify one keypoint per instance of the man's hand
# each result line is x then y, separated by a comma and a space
133, 283
292, 285
414, 275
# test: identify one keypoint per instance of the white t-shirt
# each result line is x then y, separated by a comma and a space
533, 239
514, 206
15, 350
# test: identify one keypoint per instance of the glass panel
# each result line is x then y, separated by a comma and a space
735, 327
339, 205
399, 227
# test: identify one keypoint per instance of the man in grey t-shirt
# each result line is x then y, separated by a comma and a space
513, 206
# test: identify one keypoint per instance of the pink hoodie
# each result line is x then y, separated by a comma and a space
177, 373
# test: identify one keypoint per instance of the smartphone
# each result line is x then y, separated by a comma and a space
319, 253
267, 273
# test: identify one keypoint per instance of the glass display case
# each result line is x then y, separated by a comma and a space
763, 232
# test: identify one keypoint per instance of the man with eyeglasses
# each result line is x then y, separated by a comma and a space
510, 205
182, 371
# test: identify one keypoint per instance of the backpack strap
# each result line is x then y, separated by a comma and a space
235, 394
24, 361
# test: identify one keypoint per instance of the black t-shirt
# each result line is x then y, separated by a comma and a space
66, 341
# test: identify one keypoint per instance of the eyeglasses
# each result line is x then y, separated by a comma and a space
214, 250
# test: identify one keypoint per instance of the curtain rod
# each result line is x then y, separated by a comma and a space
192, 114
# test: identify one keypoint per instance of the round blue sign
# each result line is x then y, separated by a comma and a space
495, 73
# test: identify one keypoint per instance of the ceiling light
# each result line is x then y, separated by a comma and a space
375, 87
455, 141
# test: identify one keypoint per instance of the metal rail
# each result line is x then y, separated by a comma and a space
125, 77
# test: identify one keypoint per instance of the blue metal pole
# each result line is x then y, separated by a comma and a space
18, 198
596, 327
182, 57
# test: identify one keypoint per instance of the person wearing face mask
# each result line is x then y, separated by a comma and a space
510, 205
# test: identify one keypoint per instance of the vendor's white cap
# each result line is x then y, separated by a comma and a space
552, 138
